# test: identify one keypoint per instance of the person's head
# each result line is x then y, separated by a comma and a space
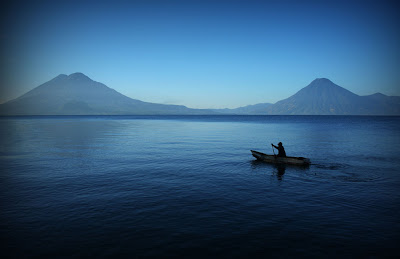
280, 144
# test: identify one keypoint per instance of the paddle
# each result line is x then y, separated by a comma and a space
272, 145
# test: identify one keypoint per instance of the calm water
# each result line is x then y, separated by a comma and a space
188, 186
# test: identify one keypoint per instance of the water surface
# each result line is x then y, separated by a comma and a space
106, 186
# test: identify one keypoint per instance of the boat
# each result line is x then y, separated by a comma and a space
281, 160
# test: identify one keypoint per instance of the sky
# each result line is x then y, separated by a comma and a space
202, 54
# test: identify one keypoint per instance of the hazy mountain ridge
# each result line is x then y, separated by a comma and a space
323, 97
77, 94
255, 109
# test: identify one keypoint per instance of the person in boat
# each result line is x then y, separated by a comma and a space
281, 149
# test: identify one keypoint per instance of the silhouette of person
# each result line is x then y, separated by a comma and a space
281, 149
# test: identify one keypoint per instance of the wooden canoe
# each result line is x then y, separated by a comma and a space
280, 160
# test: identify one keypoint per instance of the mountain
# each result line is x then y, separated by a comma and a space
323, 97
77, 94
255, 109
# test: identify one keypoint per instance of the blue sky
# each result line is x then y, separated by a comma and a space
202, 54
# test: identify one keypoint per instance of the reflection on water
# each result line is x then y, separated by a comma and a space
278, 170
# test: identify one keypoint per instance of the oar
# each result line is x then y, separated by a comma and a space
273, 150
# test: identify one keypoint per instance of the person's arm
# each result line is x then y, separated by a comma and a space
274, 146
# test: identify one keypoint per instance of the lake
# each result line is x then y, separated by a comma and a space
169, 186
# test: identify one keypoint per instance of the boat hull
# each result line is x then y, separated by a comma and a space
280, 160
